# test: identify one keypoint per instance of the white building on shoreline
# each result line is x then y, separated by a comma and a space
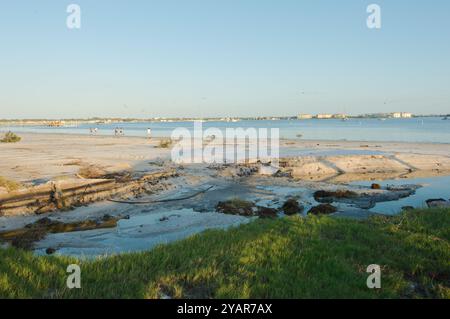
402, 115
324, 116
340, 116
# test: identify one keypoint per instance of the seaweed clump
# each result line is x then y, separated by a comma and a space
323, 209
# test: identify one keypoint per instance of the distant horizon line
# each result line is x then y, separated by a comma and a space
222, 118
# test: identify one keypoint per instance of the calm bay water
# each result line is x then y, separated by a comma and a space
434, 130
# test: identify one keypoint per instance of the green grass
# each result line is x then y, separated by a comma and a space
314, 257
165, 143
10, 137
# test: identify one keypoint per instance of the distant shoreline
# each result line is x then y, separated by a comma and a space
112, 120
79, 133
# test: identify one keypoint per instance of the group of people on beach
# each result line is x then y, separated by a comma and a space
118, 131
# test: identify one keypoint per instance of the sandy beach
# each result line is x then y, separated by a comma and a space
73, 178
224, 150
44, 157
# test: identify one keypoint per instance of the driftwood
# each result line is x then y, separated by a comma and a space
63, 195
160, 200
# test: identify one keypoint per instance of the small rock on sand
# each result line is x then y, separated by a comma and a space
375, 186
292, 207
440, 202
50, 251
236, 207
323, 209
265, 212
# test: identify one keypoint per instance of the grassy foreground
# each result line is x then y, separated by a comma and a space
314, 257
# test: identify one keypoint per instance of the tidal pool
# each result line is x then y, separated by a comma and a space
435, 187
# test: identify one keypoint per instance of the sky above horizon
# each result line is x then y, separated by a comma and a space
205, 58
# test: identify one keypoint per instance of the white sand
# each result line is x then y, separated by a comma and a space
52, 156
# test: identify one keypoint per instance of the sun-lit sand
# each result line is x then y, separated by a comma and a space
43, 157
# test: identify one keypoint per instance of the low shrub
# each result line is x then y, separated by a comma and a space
10, 137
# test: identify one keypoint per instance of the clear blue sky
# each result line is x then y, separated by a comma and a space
222, 57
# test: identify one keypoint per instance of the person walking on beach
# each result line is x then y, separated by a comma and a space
119, 131
149, 133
